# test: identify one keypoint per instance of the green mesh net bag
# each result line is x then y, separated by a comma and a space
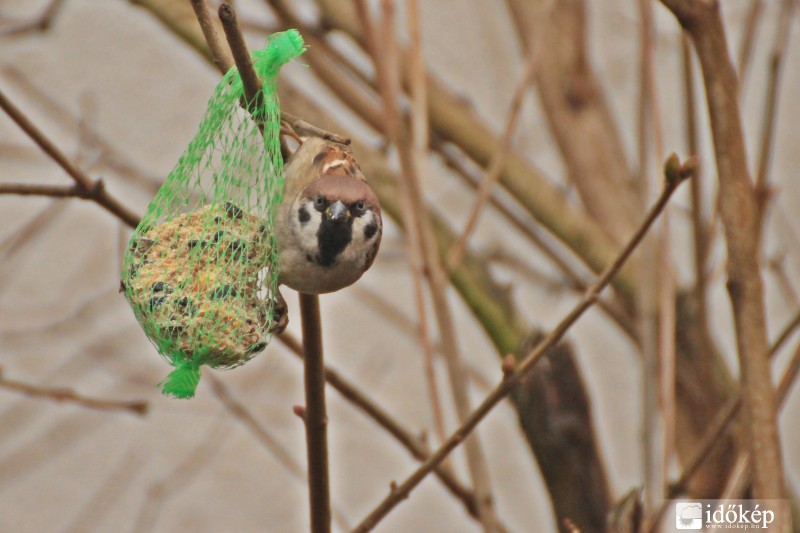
200, 271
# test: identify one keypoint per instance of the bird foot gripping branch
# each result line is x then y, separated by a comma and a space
201, 269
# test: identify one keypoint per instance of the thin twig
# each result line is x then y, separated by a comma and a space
738, 479
616, 312
36, 189
785, 333
788, 293
412, 443
386, 59
238, 410
770, 116
416, 256
30, 230
674, 178
788, 378
111, 492
94, 188
419, 139
41, 23
699, 225
220, 55
61, 395
750, 31
56, 111
722, 421
656, 299
243, 415
387, 309
303, 127
192, 462
223, 60
314, 413
738, 208
315, 416
497, 164
241, 55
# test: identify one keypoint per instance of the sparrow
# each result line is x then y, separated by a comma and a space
329, 221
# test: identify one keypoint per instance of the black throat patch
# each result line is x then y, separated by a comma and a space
332, 238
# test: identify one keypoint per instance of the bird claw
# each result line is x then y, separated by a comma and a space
280, 314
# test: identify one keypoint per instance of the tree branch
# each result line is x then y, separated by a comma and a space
314, 415
36, 189
739, 213
495, 168
408, 440
675, 173
454, 119
574, 104
418, 227
770, 117
61, 395
94, 189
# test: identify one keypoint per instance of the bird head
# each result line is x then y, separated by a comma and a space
331, 226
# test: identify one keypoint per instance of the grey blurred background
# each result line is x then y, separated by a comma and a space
123, 96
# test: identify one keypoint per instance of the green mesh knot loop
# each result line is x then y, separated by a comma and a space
200, 271
182, 382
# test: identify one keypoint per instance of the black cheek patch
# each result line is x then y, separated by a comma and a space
370, 230
303, 216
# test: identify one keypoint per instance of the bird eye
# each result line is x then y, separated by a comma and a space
360, 205
319, 202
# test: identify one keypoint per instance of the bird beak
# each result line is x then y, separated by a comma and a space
337, 212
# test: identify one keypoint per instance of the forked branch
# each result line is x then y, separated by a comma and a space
675, 173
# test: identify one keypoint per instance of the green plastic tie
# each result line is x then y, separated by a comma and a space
182, 382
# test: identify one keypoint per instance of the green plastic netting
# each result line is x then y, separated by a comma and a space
200, 271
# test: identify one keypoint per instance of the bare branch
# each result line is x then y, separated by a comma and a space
406, 438
739, 213
95, 189
220, 55
61, 395
386, 59
497, 164
41, 23
675, 174
785, 333
699, 226
419, 138
316, 418
194, 460
36, 189
749, 39
454, 119
579, 118
238, 410
304, 128
241, 55
770, 116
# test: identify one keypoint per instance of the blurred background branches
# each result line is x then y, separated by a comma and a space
515, 150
